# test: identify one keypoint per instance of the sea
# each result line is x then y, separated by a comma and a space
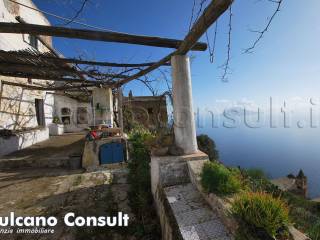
277, 149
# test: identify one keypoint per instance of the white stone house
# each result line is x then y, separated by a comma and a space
30, 113
24, 111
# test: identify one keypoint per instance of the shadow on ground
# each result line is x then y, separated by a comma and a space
55, 192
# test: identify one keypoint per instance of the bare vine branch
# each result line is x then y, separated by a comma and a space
261, 33
226, 65
192, 13
147, 83
77, 13
212, 50
198, 14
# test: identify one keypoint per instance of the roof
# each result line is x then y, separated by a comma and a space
29, 61
144, 98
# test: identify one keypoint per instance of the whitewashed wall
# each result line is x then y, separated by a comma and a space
17, 106
8, 12
66, 102
17, 109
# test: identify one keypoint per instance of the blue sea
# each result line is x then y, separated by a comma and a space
278, 151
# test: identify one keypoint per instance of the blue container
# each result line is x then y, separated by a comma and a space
111, 153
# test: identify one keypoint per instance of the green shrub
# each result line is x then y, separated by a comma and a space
216, 178
140, 197
140, 133
256, 173
314, 231
208, 146
262, 211
303, 212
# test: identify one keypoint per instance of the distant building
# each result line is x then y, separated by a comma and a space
295, 184
150, 111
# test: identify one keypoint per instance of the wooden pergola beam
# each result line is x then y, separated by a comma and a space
145, 71
27, 68
76, 61
95, 35
32, 87
49, 78
40, 38
213, 11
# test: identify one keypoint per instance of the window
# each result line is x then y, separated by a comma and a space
33, 41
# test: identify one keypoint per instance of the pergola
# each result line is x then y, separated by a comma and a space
51, 66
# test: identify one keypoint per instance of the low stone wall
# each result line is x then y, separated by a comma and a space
71, 162
169, 227
171, 170
22, 140
168, 171
220, 205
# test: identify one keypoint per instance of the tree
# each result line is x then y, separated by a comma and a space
208, 146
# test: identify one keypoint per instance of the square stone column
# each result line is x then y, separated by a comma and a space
102, 106
184, 124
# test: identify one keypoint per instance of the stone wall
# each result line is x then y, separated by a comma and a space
17, 106
150, 111
185, 210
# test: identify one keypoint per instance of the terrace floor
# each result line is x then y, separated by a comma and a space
56, 192
57, 151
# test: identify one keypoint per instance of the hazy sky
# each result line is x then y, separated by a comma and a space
285, 63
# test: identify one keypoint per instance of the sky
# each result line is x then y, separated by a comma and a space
284, 65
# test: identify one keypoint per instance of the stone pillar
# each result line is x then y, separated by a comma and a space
103, 106
184, 124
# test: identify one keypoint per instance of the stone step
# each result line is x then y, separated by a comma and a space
68, 162
195, 219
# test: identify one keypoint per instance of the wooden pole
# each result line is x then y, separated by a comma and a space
52, 59
95, 35
120, 110
214, 10
41, 77
32, 87
29, 68
146, 71
48, 46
